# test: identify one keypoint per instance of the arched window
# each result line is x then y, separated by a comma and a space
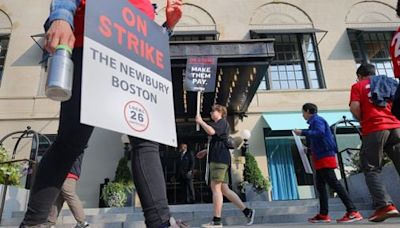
5, 31
296, 64
371, 25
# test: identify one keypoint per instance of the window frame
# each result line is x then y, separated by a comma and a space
301, 43
360, 43
7, 37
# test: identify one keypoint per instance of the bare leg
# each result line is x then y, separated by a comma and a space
217, 198
232, 196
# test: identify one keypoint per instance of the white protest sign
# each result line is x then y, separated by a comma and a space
126, 76
302, 152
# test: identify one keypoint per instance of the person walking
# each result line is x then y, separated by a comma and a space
219, 158
68, 194
323, 149
65, 27
184, 173
380, 135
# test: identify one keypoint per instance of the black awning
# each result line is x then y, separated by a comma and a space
260, 48
241, 67
373, 29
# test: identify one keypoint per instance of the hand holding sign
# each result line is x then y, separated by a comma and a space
173, 12
60, 32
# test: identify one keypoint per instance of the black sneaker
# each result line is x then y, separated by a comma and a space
250, 217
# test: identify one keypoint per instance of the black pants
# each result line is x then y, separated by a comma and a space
70, 142
328, 176
187, 188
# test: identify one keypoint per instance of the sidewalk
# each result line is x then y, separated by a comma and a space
390, 223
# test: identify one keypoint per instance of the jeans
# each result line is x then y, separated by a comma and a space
328, 176
68, 194
69, 144
374, 145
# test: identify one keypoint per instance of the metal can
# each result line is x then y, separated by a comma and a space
60, 74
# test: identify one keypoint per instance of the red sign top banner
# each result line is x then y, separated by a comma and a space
123, 28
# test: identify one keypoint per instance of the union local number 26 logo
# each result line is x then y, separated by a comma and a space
136, 116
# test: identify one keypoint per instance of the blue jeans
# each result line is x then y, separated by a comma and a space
71, 140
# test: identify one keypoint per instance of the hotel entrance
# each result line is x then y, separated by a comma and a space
241, 67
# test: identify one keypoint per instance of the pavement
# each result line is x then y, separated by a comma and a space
390, 223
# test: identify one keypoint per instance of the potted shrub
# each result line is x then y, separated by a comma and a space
114, 194
10, 174
120, 192
254, 186
10, 184
123, 175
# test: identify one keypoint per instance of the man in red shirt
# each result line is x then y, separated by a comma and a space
380, 134
65, 27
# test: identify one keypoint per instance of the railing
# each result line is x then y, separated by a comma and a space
347, 150
32, 159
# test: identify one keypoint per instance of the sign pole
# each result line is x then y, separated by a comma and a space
198, 108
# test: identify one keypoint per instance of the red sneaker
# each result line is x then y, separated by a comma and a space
320, 219
384, 213
350, 217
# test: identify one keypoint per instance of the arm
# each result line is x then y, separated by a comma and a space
63, 10
317, 128
207, 128
355, 109
191, 162
173, 12
61, 21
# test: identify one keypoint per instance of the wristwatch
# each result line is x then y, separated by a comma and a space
168, 30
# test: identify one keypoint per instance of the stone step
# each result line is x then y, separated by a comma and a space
230, 217
295, 220
205, 207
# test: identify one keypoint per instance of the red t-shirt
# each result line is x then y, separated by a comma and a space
373, 118
143, 5
325, 163
395, 53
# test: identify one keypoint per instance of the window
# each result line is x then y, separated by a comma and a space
4, 39
296, 64
372, 47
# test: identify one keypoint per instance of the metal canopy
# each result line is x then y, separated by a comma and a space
261, 48
241, 67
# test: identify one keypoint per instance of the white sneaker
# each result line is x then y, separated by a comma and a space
212, 224
250, 218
